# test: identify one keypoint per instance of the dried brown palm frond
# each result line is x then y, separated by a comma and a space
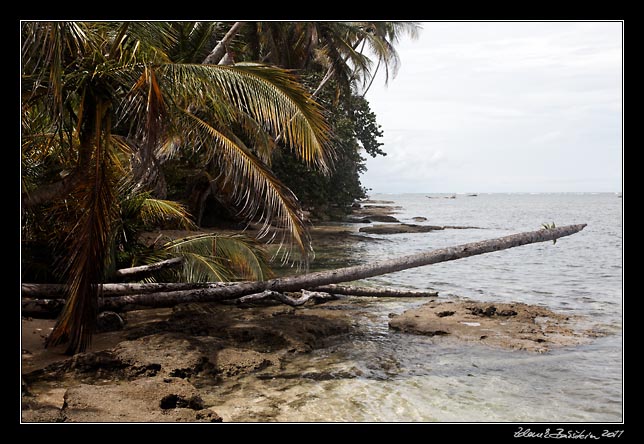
88, 239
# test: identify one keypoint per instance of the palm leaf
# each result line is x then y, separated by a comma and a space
158, 211
269, 95
210, 257
256, 189
88, 241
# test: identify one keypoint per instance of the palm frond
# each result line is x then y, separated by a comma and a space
382, 38
269, 95
88, 241
256, 190
211, 257
203, 268
158, 211
195, 40
261, 141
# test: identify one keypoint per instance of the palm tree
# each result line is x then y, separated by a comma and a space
102, 101
206, 257
344, 51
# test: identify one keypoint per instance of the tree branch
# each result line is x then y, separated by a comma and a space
144, 270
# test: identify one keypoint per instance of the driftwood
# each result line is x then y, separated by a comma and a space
319, 279
146, 270
316, 296
375, 291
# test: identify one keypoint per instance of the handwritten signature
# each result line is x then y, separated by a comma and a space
566, 434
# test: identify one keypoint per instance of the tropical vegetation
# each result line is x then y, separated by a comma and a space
128, 126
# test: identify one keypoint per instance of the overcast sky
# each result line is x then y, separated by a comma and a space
502, 107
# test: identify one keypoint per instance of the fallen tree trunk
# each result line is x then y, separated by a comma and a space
374, 291
48, 291
42, 308
314, 280
50, 308
117, 289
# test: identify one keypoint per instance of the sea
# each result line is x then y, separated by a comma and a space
380, 375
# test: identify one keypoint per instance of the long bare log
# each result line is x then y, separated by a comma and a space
47, 291
42, 308
374, 291
56, 291
314, 280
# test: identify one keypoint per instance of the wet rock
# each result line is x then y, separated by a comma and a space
409, 228
208, 415
373, 218
383, 218
515, 326
234, 361
442, 314
506, 313
140, 400
109, 321
436, 333
90, 363
487, 311
174, 401
166, 353
399, 228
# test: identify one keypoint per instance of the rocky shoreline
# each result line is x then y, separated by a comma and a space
145, 372
381, 211
149, 370
515, 326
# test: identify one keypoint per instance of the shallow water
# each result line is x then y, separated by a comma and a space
382, 375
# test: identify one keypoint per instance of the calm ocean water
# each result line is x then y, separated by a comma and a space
382, 375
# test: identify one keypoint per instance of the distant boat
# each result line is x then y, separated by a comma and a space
453, 196
473, 195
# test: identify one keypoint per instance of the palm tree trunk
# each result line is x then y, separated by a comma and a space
375, 292
219, 51
315, 280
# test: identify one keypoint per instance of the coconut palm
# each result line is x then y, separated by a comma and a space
345, 51
102, 101
206, 257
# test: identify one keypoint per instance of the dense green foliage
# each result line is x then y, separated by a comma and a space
133, 126
355, 131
